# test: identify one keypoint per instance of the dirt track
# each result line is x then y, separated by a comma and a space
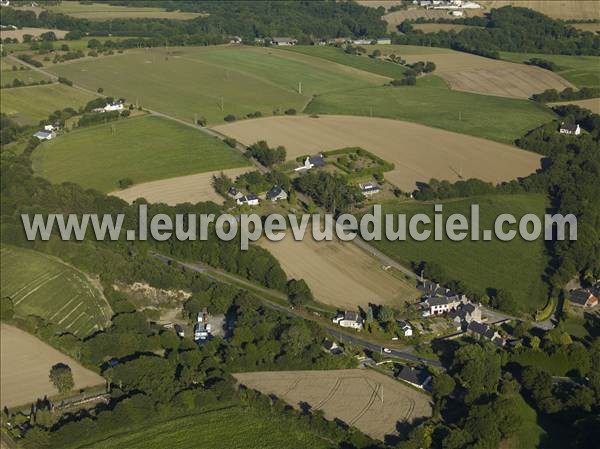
25, 367
339, 273
418, 152
370, 401
182, 189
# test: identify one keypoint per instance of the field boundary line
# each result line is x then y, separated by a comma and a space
30, 292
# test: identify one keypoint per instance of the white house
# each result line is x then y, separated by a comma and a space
49, 128
570, 128
45, 135
115, 106
276, 194
362, 41
235, 193
250, 200
200, 332
384, 41
349, 319
405, 328
202, 316
311, 162
283, 41
457, 13
439, 305
369, 188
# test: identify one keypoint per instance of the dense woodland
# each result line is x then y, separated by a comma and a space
507, 29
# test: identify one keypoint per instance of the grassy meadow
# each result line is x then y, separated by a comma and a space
515, 266
42, 285
432, 103
581, 71
29, 105
143, 148
213, 82
227, 429
334, 54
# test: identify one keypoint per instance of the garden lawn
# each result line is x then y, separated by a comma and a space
143, 149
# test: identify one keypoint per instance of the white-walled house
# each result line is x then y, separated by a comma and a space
311, 162
406, 329
570, 128
349, 319
250, 200
45, 135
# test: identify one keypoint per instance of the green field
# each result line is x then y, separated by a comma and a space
515, 266
432, 103
27, 76
334, 54
233, 428
215, 81
29, 105
42, 285
97, 11
142, 148
582, 71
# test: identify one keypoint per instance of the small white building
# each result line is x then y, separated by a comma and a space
570, 128
384, 41
457, 13
45, 135
277, 194
283, 41
115, 106
250, 200
369, 188
362, 41
311, 162
349, 319
50, 128
405, 328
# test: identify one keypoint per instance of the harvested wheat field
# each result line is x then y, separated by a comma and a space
471, 73
435, 27
558, 9
593, 104
339, 273
370, 401
182, 189
25, 367
418, 152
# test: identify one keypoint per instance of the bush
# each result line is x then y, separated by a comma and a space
125, 182
63, 80
229, 118
201, 121
230, 141
290, 111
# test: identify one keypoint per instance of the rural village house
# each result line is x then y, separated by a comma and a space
250, 200
349, 319
369, 188
45, 135
234, 193
570, 128
584, 297
405, 328
439, 305
465, 314
418, 377
276, 194
311, 162
283, 41
485, 331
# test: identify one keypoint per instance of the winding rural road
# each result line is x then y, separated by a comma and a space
404, 354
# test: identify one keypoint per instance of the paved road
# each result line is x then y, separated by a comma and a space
405, 353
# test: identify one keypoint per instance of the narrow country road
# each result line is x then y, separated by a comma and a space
405, 353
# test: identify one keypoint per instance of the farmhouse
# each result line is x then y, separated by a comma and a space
418, 377
332, 347
405, 328
45, 135
283, 41
484, 331
438, 305
349, 319
457, 13
114, 106
235, 193
311, 162
250, 200
369, 188
276, 194
362, 42
583, 297
569, 128
465, 314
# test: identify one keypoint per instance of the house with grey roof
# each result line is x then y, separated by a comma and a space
484, 331
277, 194
583, 297
418, 377
570, 128
349, 319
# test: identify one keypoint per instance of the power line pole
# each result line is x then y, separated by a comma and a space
300, 87
222, 104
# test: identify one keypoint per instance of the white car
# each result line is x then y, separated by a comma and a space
395, 339
387, 350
